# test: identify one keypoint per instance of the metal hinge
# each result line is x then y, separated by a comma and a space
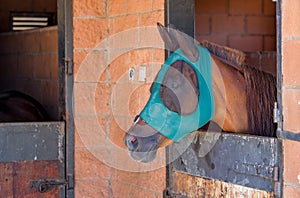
45, 185
277, 184
276, 113
69, 65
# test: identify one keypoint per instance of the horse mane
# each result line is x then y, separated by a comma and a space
233, 57
260, 89
261, 97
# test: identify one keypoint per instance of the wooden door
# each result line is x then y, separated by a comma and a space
32, 160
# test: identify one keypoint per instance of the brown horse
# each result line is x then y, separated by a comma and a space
243, 96
19, 107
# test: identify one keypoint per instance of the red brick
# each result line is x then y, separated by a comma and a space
291, 109
50, 98
103, 99
120, 189
158, 4
84, 98
78, 141
268, 62
150, 38
89, 8
28, 65
133, 58
261, 25
152, 180
125, 22
245, 7
246, 43
269, 7
91, 188
253, 59
88, 166
118, 128
137, 6
122, 94
222, 24
291, 162
91, 130
290, 59
90, 66
219, 39
202, 24
32, 41
151, 19
144, 192
290, 16
117, 7
49, 39
88, 33
44, 66
211, 7
291, 191
270, 43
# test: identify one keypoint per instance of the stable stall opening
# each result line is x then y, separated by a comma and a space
236, 164
29, 52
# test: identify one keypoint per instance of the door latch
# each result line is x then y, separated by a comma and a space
45, 185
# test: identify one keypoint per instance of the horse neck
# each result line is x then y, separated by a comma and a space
230, 97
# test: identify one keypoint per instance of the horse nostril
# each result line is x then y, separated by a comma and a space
131, 142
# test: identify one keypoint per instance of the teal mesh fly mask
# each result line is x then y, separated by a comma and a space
171, 124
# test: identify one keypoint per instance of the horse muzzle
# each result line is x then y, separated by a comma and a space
138, 150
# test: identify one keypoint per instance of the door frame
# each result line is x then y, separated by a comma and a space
177, 13
66, 78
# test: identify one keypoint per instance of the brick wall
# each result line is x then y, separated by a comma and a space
291, 94
23, 6
29, 63
110, 37
248, 25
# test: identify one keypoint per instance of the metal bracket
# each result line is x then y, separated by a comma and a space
171, 194
45, 185
276, 113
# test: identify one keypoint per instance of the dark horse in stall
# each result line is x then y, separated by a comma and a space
242, 98
19, 107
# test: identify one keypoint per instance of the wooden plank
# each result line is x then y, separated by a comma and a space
191, 186
6, 179
15, 178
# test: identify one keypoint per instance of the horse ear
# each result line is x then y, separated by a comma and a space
167, 36
187, 45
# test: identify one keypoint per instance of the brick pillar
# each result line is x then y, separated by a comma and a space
291, 95
109, 36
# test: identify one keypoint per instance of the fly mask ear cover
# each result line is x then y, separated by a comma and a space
169, 123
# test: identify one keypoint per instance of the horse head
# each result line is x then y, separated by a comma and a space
173, 109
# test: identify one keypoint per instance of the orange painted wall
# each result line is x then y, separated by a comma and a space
110, 37
291, 95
